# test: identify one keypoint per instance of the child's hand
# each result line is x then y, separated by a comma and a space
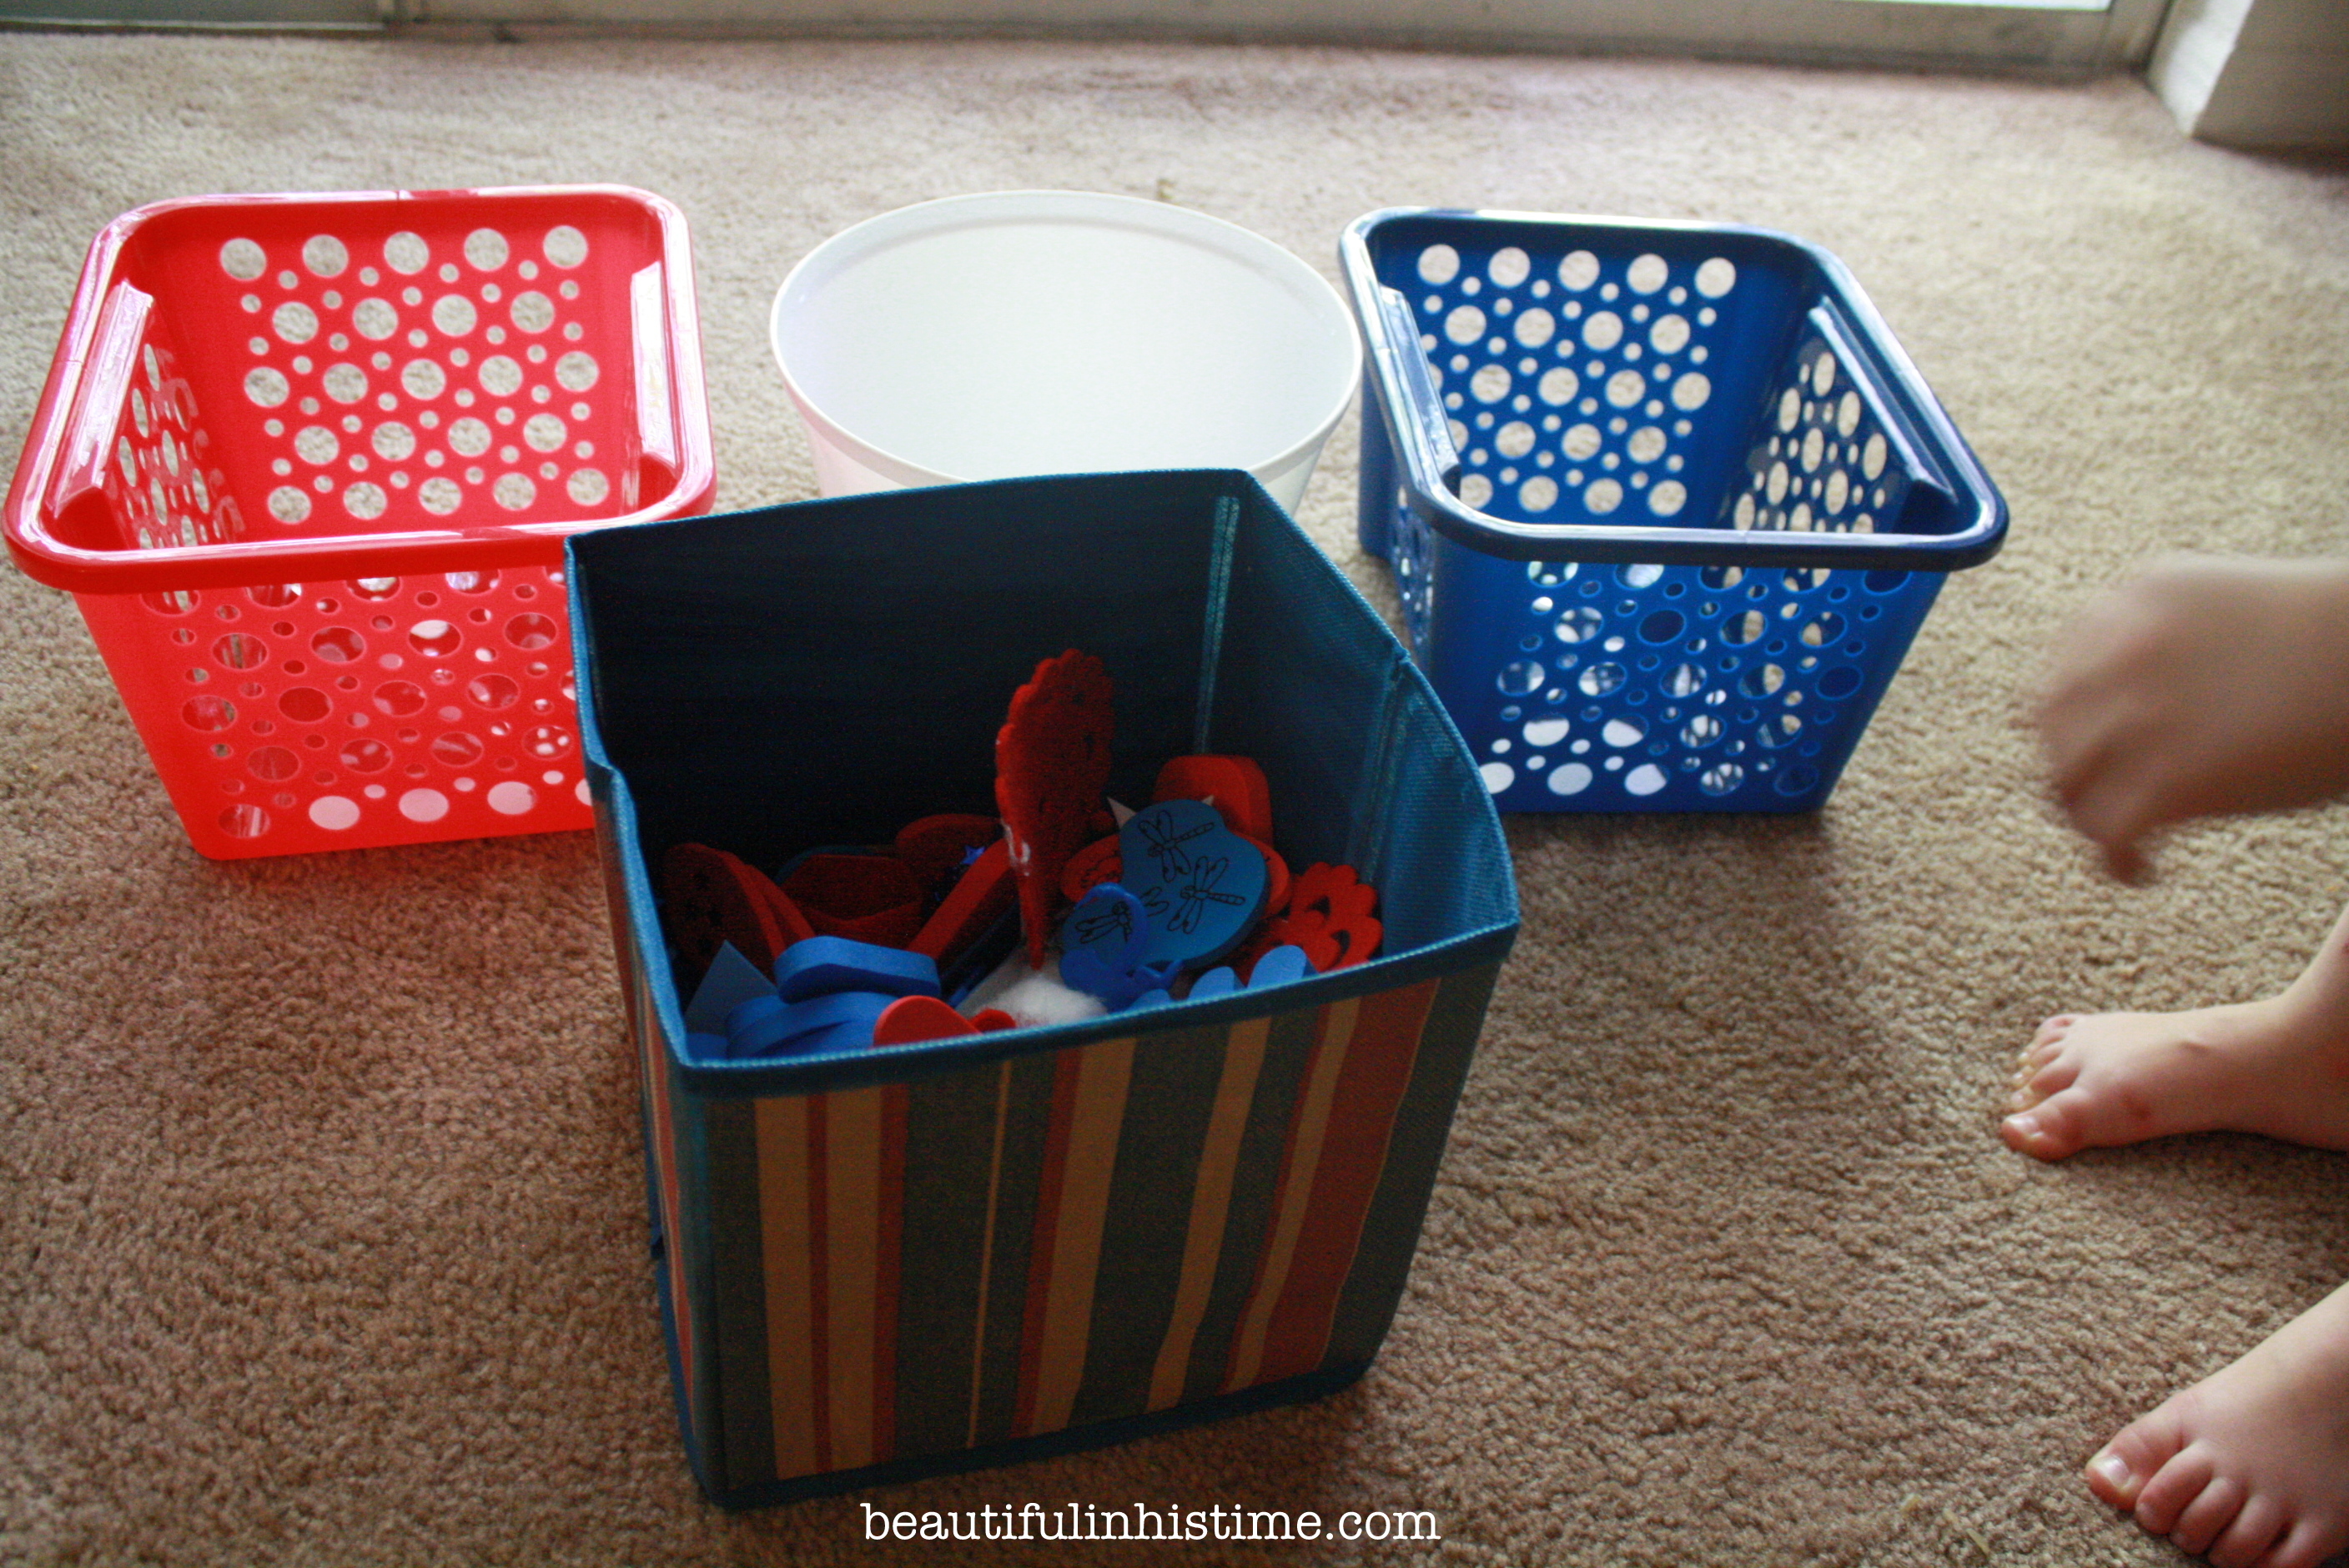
2205, 686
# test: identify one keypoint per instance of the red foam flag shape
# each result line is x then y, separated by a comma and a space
1051, 764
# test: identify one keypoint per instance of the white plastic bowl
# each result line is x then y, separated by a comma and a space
1038, 332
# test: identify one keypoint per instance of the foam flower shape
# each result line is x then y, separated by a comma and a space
1051, 764
1329, 915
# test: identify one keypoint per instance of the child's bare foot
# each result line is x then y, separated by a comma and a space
2105, 1078
2251, 1464
2278, 1066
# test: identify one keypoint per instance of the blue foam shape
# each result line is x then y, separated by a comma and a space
1202, 884
822, 965
1117, 989
752, 1013
1220, 981
794, 1027
840, 1039
1153, 1000
1108, 924
731, 981
704, 1046
1278, 967
757, 1027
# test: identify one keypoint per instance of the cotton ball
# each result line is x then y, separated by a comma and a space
1041, 999
1033, 996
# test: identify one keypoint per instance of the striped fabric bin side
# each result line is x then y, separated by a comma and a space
907, 1275
666, 1194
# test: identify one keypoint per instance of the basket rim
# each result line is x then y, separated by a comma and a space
1424, 475
923, 218
42, 555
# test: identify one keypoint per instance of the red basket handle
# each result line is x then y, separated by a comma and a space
649, 316
97, 411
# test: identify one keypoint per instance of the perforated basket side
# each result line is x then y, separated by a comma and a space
1662, 688
373, 381
385, 369
1582, 384
307, 463
291, 718
1598, 390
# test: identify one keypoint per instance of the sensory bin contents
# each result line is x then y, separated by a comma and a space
1066, 905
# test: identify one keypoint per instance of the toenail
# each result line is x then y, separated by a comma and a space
2024, 1126
2113, 1467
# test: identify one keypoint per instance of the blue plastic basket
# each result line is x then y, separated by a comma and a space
1665, 502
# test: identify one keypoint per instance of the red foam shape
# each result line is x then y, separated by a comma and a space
1329, 917
909, 1020
1234, 786
987, 1021
708, 897
935, 846
977, 903
865, 898
1052, 763
1276, 879
1096, 863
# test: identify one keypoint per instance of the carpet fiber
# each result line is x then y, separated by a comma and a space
320, 1198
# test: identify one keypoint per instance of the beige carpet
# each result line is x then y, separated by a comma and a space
1725, 1265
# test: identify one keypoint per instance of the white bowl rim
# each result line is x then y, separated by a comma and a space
881, 459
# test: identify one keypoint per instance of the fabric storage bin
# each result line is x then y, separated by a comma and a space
1665, 502
305, 464
967, 1252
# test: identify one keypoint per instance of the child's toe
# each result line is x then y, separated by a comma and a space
2038, 1083
2172, 1482
2047, 1128
2306, 1544
2207, 1517
2249, 1535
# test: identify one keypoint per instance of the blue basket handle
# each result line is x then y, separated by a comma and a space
1434, 460
1892, 412
1942, 471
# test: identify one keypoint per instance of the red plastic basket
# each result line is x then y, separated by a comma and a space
306, 463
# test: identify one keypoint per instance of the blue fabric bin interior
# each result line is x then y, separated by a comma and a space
824, 673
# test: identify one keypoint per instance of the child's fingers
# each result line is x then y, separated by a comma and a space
2127, 863
2091, 778
2114, 807
2122, 839
2087, 730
